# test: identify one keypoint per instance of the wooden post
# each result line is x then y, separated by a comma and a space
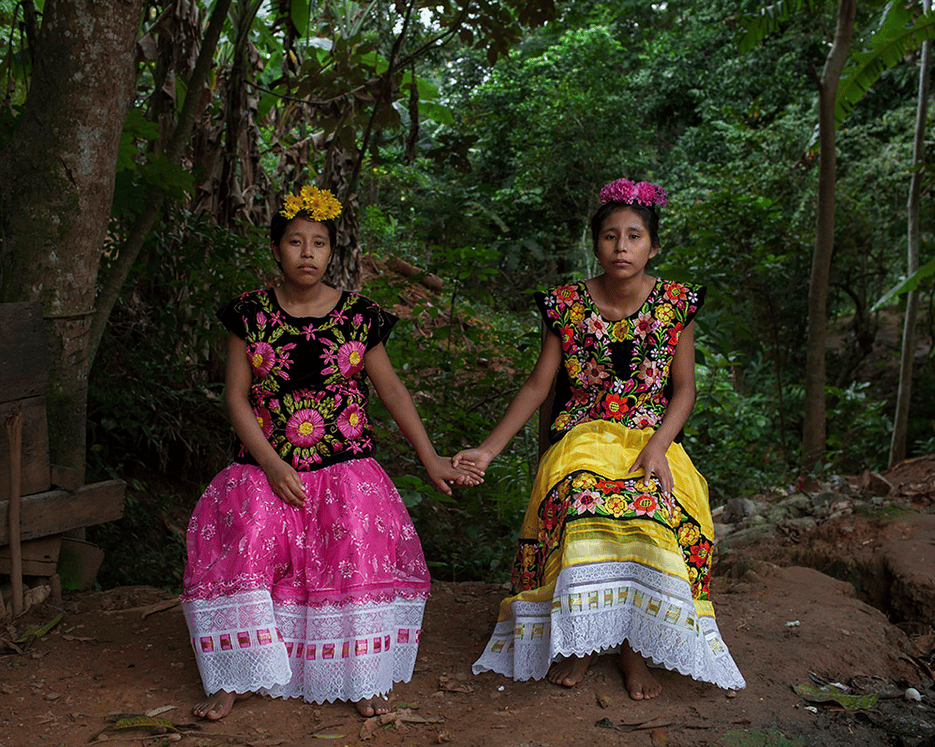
14, 432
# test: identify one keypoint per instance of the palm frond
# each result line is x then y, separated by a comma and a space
889, 45
769, 20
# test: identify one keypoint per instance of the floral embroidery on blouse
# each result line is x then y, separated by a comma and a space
309, 391
616, 370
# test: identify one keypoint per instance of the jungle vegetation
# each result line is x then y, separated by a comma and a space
468, 140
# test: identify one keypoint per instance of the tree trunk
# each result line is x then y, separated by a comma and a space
56, 187
813, 436
178, 142
901, 420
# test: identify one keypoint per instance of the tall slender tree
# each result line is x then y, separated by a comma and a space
901, 420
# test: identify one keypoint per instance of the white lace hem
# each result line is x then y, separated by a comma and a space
599, 605
246, 643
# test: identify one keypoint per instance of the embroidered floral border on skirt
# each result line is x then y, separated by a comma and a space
605, 557
323, 601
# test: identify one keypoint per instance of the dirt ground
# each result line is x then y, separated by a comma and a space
125, 652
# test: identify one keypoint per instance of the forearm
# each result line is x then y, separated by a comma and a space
402, 409
527, 400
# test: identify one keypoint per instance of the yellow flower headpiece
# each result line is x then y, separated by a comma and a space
318, 204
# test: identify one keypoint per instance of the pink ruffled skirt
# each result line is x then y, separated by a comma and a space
322, 601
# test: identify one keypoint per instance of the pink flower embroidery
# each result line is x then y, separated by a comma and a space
644, 324
351, 421
649, 372
265, 420
596, 373
597, 326
305, 428
262, 358
644, 419
587, 501
351, 357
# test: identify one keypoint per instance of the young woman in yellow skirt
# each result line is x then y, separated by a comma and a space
615, 550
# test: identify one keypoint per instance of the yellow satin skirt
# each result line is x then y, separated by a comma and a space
605, 556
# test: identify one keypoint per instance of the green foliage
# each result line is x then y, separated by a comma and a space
858, 429
146, 546
462, 372
163, 336
734, 435
770, 19
897, 35
496, 200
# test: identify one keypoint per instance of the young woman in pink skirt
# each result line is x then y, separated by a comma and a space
305, 576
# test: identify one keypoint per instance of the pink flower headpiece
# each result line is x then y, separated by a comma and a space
623, 190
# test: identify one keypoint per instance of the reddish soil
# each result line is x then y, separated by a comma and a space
111, 653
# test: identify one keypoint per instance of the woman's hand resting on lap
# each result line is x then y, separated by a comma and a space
652, 460
286, 483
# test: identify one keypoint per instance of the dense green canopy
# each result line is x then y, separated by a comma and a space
471, 140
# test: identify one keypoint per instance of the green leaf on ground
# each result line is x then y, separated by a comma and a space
827, 693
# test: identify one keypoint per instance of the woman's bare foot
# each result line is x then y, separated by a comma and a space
375, 706
639, 681
217, 705
569, 672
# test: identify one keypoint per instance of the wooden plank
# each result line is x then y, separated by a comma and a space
35, 471
57, 511
24, 368
65, 478
40, 556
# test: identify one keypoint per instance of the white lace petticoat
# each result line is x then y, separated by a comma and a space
247, 643
595, 607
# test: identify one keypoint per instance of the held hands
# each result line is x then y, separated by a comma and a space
652, 460
442, 470
286, 483
474, 462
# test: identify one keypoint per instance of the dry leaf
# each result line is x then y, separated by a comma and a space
398, 719
160, 710
454, 684
659, 737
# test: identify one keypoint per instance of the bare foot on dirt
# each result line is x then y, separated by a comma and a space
218, 705
639, 681
375, 706
569, 672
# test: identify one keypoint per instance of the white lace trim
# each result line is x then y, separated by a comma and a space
599, 605
247, 643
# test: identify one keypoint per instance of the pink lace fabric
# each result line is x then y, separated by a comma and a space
322, 601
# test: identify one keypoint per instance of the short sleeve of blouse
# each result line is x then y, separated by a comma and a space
232, 315
546, 304
379, 323
696, 298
